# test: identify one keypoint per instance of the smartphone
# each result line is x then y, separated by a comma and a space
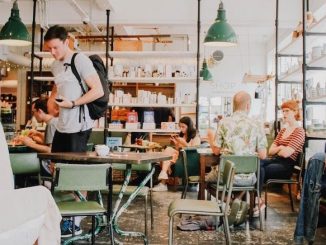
59, 100
173, 136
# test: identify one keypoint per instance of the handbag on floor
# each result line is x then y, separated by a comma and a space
238, 212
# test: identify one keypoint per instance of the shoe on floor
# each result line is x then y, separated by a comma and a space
256, 210
160, 187
212, 175
66, 228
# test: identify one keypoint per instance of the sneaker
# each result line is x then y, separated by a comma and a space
66, 228
46, 167
160, 187
212, 175
163, 175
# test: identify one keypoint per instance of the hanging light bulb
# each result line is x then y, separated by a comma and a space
14, 32
205, 73
221, 33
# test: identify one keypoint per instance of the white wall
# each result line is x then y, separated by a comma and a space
229, 72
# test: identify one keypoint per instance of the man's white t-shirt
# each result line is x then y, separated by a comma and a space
50, 129
70, 120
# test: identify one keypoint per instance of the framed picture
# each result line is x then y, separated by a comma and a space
3, 72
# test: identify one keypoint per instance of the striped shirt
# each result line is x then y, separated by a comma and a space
295, 140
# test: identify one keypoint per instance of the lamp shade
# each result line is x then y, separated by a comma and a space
205, 73
220, 33
14, 32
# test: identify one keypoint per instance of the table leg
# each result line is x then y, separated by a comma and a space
202, 184
117, 212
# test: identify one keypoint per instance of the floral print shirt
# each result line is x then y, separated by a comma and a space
240, 135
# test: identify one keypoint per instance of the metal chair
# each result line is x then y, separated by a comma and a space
202, 207
145, 191
26, 164
187, 168
297, 171
243, 164
81, 177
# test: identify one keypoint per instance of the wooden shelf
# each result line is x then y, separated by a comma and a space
142, 130
153, 105
47, 79
294, 46
296, 75
152, 54
153, 79
131, 54
317, 135
317, 99
132, 85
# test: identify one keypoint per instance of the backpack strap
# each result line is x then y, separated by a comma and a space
75, 72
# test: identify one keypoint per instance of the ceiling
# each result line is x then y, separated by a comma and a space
253, 17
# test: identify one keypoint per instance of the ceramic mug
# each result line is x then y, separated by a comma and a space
102, 150
118, 70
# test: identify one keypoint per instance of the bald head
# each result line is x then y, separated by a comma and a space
241, 101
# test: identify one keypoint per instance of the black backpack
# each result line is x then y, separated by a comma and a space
96, 108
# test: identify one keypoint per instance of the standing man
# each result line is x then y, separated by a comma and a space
74, 123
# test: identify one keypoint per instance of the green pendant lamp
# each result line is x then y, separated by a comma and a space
221, 33
205, 73
14, 32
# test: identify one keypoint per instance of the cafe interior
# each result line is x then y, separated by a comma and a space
158, 168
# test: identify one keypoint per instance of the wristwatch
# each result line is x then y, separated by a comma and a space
73, 104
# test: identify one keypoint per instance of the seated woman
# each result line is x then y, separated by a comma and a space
285, 148
187, 137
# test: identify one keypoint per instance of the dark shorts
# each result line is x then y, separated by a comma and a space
74, 142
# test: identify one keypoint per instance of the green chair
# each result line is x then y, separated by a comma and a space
203, 207
243, 165
187, 168
25, 164
145, 191
295, 179
81, 177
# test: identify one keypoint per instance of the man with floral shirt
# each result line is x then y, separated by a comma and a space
239, 134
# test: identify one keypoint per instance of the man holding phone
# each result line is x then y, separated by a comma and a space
74, 123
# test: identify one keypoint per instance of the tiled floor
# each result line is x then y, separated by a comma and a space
278, 228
